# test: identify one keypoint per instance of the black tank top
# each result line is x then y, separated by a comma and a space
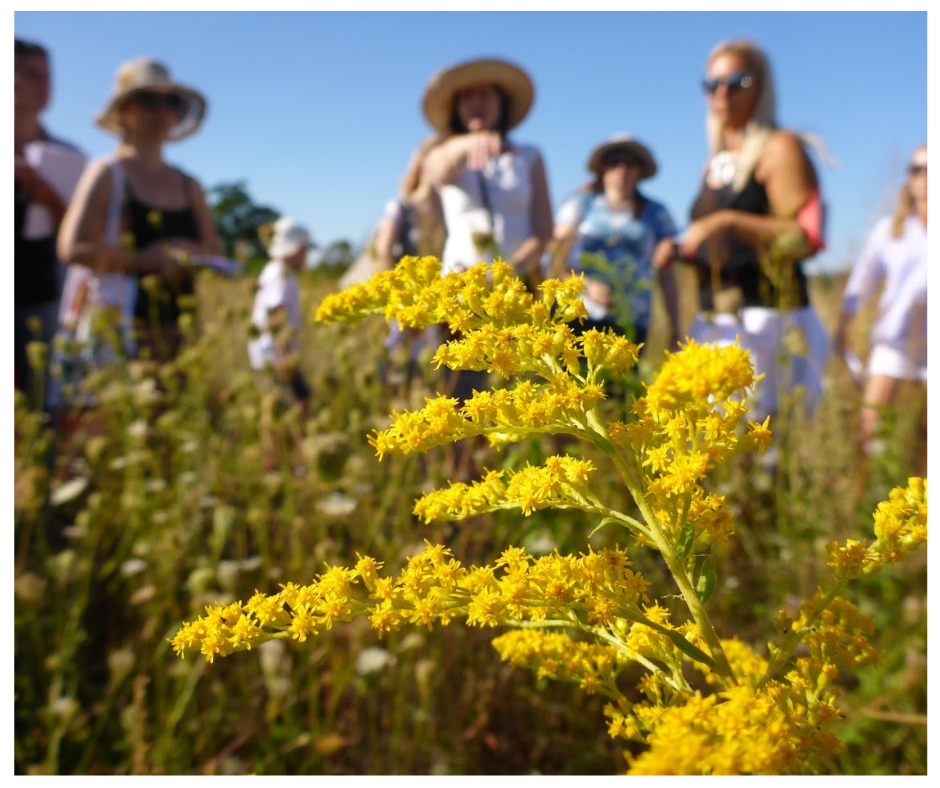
148, 224
35, 263
784, 287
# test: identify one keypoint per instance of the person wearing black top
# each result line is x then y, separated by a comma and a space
164, 214
757, 217
45, 171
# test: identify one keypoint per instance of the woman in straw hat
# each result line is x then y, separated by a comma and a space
758, 215
163, 215
612, 230
494, 193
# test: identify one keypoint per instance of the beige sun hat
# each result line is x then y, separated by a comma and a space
623, 142
438, 100
149, 74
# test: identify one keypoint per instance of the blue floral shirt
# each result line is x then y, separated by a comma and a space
617, 248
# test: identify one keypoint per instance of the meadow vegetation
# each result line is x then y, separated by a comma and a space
161, 501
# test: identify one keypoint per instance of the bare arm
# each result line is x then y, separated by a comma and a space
81, 235
563, 238
790, 180
383, 243
667, 281
528, 256
445, 162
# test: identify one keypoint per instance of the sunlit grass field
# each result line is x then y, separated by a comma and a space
162, 500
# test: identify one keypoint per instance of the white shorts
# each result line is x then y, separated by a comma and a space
790, 348
891, 362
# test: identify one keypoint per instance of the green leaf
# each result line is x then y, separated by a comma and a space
676, 637
686, 538
708, 580
607, 520
688, 649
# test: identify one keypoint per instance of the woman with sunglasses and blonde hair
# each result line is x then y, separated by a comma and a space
612, 230
894, 262
137, 220
757, 216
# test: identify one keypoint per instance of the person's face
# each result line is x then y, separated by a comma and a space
151, 114
478, 107
731, 89
620, 170
917, 174
31, 83
298, 259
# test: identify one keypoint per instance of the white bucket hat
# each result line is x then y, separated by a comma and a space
623, 142
288, 238
143, 74
438, 101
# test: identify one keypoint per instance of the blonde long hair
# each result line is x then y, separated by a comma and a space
905, 204
763, 120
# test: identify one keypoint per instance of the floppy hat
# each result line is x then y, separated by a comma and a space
148, 74
438, 100
288, 238
627, 143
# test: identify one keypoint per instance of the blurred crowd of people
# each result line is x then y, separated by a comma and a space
120, 234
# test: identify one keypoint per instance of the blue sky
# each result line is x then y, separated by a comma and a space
319, 111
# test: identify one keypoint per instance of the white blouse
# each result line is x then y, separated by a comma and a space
508, 185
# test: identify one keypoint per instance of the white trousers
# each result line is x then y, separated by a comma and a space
789, 347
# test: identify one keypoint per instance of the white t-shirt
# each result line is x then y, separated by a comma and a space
901, 264
277, 288
508, 179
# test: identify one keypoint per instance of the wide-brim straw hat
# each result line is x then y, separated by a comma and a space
623, 142
148, 74
438, 100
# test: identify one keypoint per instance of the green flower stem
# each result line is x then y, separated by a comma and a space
679, 573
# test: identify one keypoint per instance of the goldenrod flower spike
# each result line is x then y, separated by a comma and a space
585, 618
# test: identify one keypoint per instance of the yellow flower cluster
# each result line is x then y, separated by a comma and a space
432, 588
560, 483
765, 715
416, 294
499, 327
737, 731
504, 414
900, 526
688, 422
554, 655
783, 727
835, 631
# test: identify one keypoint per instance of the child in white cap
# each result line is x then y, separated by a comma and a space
276, 313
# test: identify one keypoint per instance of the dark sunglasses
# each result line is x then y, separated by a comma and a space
740, 80
152, 100
620, 157
917, 169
